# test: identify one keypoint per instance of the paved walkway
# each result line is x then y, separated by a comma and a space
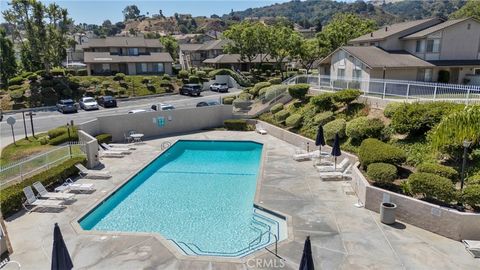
343, 236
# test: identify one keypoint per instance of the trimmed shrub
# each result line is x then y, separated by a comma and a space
474, 179
123, 84
471, 196
33, 77
228, 100
145, 80
104, 138
276, 108
193, 79
431, 186
60, 135
333, 127
119, 77
201, 74
43, 140
298, 90
15, 81
17, 94
437, 169
323, 102
258, 86
391, 108
244, 96
236, 124
274, 91
275, 81
183, 74
382, 172
166, 77
294, 120
375, 151
11, 198
281, 116
15, 87
362, 127
26, 74
58, 72
323, 118
105, 84
346, 96
82, 72
151, 87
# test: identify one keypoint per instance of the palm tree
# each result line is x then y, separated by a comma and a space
458, 127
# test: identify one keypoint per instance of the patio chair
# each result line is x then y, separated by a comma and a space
298, 156
331, 168
116, 149
336, 175
32, 200
472, 247
127, 138
259, 129
69, 186
110, 154
92, 174
129, 146
43, 193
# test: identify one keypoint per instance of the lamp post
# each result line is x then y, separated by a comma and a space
466, 145
69, 140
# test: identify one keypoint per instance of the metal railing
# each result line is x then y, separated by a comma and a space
394, 89
21, 169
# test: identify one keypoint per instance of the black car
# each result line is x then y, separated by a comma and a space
191, 89
67, 106
107, 101
207, 103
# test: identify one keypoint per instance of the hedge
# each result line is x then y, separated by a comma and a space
323, 118
60, 135
274, 91
294, 120
441, 170
346, 96
281, 116
11, 198
15, 81
474, 179
182, 74
57, 72
275, 80
382, 172
333, 127
104, 138
471, 196
298, 90
119, 77
236, 124
323, 102
276, 108
258, 86
362, 127
391, 108
375, 151
431, 186
193, 79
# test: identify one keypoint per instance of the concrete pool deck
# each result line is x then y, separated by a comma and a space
343, 236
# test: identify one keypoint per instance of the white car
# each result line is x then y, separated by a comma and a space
88, 103
137, 111
162, 107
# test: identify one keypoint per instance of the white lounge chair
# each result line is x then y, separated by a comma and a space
92, 174
110, 154
129, 146
306, 156
331, 168
336, 174
43, 193
116, 149
473, 247
69, 186
260, 129
32, 200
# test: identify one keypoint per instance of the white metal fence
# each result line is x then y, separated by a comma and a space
394, 89
17, 171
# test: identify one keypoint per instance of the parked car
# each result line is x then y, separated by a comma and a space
207, 103
1, 115
219, 87
191, 89
88, 103
107, 101
66, 106
163, 107
137, 111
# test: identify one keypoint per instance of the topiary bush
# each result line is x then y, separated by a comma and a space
276, 108
228, 100
58, 72
33, 77
15, 81
437, 169
294, 120
324, 102
202, 75
236, 124
257, 87
104, 138
346, 96
431, 186
298, 90
60, 135
275, 80
183, 74
362, 127
119, 77
193, 79
281, 116
323, 118
274, 91
333, 127
375, 151
474, 179
471, 196
391, 108
382, 172
82, 72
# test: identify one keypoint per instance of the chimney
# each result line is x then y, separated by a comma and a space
386, 28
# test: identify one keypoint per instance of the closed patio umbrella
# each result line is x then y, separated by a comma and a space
307, 260
336, 149
60, 258
320, 139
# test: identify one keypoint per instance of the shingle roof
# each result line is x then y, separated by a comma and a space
375, 57
393, 29
235, 58
217, 44
190, 47
435, 28
444, 63
105, 57
122, 42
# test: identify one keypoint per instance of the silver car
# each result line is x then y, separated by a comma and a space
219, 87
88, 103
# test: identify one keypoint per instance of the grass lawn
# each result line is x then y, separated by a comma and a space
23, 148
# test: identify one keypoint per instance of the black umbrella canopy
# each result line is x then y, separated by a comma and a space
320, 140
336, 147
307, 260
60, 258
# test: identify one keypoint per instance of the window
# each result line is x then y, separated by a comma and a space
418, 46
132, 51
476, 71
141, 67
341, 58
357, 74
158, 67
433, 45
105, 66
428, 75
341, 72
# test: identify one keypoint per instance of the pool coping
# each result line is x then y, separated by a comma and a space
170, 244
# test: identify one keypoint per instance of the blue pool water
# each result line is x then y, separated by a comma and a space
199, 194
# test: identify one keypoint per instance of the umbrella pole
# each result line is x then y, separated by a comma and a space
335, 167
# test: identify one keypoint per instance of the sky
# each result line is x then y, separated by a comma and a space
95, 12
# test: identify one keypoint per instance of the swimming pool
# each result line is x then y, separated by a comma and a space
199, 195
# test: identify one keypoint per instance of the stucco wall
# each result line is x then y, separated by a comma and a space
175, 121
90, 148
459, 42
91, 127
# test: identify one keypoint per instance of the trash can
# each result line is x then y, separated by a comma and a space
387, 212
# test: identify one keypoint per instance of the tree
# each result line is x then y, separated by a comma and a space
8, 65
470, 9
282, 42
131, 12
309, 52
171, 45
342, 28
246, 39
